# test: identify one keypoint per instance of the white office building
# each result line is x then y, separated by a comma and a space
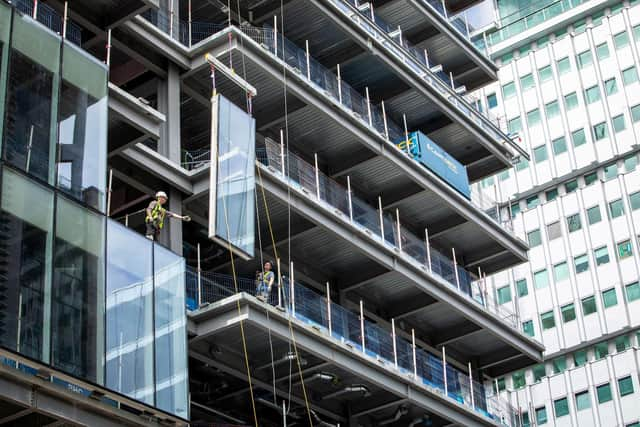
568, 85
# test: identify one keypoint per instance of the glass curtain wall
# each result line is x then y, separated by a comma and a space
32, 93
5, 27
26, 230
77, 291
82, 128
77, 308
130, 351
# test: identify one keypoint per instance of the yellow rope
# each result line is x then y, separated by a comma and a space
293, 337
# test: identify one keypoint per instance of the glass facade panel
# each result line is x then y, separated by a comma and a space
574, 223
541, 279
564, 65
635, 113
234, 210
568, 313
616, 208
527, 82
508, 90
604, 393
527, 328
518, 380
514, 125
533, 117
634, 200
551, 194
594, 215
625, 385
611, 86
578, 137
571, 101
521, 286
601, 350
540, 154
602, 51
581, 263
610, 171
559, 145
601, 255
580, 357
559, 364
29, 133
625, 249
584, 59
504, 295
571, 186
600, 131
545, 73
552, 109
589, 305
621, 40
629, 76
534, 238
583, 400
77, 307
172, 385
541, 416
129, 317
27, 236
622, 343
82, 128
632, 291
561, 407
592, 94
539, 371
5, 30
547, 320
560, 272
590, 178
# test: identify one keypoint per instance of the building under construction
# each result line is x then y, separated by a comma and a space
333, 139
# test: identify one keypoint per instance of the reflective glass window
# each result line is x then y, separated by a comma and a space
29, 140
602, 255
589, 305
571, 101
26, 216
77, 300
82, 128
172, 386
129, 317
594, 215
578, 137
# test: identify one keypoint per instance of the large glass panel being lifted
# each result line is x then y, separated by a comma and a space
231, 198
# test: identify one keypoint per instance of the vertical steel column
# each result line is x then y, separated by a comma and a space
400, 35
109, 192
329, 309
426, 241
190, 24
292, 294
381, 218
315, 160
284, 413
65, 17
306, 44
108, 60
126, 220
413, 347
466, 23
349, 198
393, 336
362, 325
199, 278
279, 283
384, 121
366, 90
406, 133
481, 286
426, 58
35, 9
444, 9
453, 85
444, 369
275, 35
171, 18
455, 267
339, 83
473, 399
282, 153
398, 229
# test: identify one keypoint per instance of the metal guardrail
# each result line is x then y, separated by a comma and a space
384, 227
50, 18
190, 33
385, 346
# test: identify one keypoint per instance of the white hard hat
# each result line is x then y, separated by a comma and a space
161, 194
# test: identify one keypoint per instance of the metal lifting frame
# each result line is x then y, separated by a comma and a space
231, 75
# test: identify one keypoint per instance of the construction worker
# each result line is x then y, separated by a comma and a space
155, 214
265, 282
